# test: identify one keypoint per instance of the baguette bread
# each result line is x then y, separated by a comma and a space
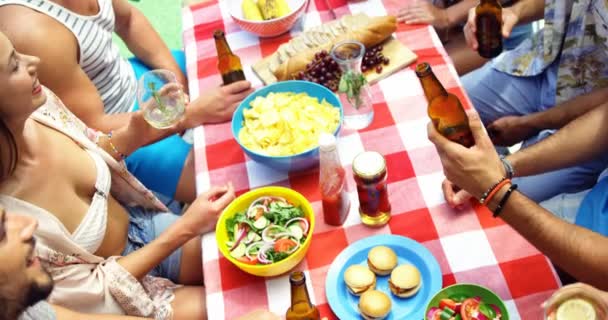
371, 33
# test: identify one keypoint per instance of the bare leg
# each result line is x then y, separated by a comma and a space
189, 303
191, 269
186, 186
464, 58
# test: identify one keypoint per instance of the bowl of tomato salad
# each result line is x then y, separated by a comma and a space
466, 302
266, 231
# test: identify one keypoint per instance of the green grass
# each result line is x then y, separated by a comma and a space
165, 16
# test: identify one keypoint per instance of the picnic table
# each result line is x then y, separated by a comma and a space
471, 246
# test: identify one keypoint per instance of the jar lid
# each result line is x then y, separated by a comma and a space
369, 164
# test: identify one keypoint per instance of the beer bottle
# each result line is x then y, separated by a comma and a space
228, 63
301, 308
444, 109
489, 24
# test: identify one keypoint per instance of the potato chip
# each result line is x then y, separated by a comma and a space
286, 123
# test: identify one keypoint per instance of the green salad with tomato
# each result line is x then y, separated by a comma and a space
462, 307
269, 231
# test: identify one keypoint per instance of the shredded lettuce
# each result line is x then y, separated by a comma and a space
276, 256
279, 214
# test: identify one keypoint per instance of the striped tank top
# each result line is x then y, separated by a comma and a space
99, 56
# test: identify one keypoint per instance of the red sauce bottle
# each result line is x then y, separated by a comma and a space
332, 178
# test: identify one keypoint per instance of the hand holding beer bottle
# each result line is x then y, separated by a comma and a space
508, 19
444, 108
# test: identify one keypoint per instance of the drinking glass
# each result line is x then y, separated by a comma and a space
161, 98
354, 90
589, 298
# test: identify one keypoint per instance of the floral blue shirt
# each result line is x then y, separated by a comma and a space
575, 36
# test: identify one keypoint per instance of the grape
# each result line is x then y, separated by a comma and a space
379, 69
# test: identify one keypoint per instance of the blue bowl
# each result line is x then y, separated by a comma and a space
296, 162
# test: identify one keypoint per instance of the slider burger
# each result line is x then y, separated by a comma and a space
381, 260
359, 279
374, 305
405, 281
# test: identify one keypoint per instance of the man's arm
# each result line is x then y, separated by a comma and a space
66, 314
582, 139
528, 10
458, 12
509, 130
141, 38
580, 252
562, 114
59, 69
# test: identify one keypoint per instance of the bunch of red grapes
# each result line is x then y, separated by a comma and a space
374, 59
324, 70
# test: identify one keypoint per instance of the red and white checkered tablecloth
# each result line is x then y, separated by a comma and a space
470, 246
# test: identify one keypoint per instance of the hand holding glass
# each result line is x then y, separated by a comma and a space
161, 98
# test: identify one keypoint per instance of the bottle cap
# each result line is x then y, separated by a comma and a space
327, 142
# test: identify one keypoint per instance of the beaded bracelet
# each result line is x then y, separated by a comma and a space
504, 199
508, 166
484, 197
120, 154
496, 189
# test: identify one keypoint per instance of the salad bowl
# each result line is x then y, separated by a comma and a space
274, 263
466, 302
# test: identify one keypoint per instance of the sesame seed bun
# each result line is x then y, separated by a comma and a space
374, 305
381, 260
405, 281
359, 279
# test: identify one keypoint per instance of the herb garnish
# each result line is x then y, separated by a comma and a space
351, 83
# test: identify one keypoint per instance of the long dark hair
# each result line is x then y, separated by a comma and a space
8, 157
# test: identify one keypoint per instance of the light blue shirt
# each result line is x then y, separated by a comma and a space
40, 311
593, 212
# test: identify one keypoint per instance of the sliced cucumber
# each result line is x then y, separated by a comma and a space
239, 251
261, 223
229, 244
257, 237
251, 236
283, 204
296, 230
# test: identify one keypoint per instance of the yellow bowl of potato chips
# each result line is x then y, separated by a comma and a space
279, 125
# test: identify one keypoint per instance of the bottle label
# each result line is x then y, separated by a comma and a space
460, 134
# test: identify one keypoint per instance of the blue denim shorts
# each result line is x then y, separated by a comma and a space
145, 226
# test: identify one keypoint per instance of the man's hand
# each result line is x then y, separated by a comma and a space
603, 295
454, 196
473, 169
422, 11
509, 20
216, 105
510, 130
260, 315
202, 215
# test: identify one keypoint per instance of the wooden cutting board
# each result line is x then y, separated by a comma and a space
399, 55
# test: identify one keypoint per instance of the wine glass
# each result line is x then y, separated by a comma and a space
161, 98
